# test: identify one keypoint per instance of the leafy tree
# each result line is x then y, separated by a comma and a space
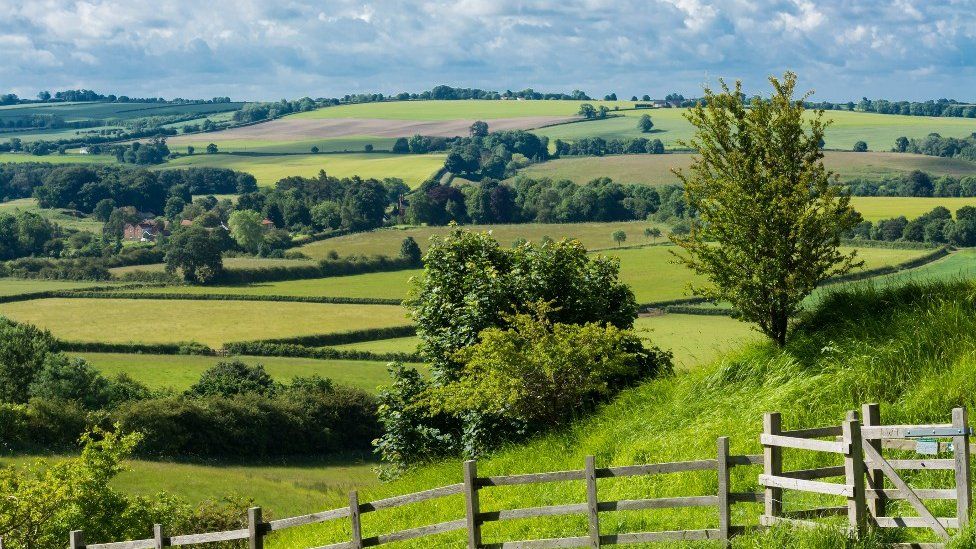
478, 129
73, 379
652, 233
619, 237
246, 229
327, 215
587, 110
174, 207
901, 144
212, 148
401, 146
770, 216
190, 150
410, 250
315, 149
103, 209
860, 147
233, 378
368, 147
195, 254
364, 206
645, 124
24, 349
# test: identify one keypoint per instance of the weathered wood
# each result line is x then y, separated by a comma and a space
909, 444
818, 512
746, 460
896, 431
960, 447
817, 487
922, 493
812, 474
311, 518
159, 541
415, 497
658, 503
472, 504
210, 537
814, 432
772, 465
874, 476
592, 503
910, 496
340, 545
255, 529
815, 445
773, 521
917, 545
550, 543
418, 532
916, 522
657, 468
131, 544
533, 512
746, 497
857, 512
921, 464
77, 539
724, 504
652, 537
531, 478
356, 526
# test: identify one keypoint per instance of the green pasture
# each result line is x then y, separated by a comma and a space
391, 285
101, 110
268, 169
56, 158
54, 215
453, 110
17, 286
874, 208
655, 169
694, 339
879, 131
230, 263
387, 241
209, 322
394, 345
179, 372
326, 145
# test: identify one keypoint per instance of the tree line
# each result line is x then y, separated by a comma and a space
935, 227
935, 145
915, 183
938, 107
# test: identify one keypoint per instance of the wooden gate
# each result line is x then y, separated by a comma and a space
872, 480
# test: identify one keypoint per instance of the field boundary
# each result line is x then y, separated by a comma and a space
231, 297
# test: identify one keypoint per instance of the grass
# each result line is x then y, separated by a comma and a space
54, 215
101, 110
326, 145
268, 169
387, 241
59, 158
229, 263
909, 349
179, 372
874, 208
655, 169
453, 110
394, 345
18, 286
695, 340
210, 322
390, 285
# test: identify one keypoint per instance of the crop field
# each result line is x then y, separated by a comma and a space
387, 241
874, 208
879, 131
694, 339
351, 144
179, 372
209, 322
655, 169
268, 169
390, 285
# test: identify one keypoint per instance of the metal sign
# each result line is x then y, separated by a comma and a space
927, 446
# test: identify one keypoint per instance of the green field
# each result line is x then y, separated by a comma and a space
54, 215
452, 110
103, 110
17, 286
229, 263
268, 169
670, 126
655, 169
390, 285
394, 345
179, 372
874, 208
59, 158
283, 146
694, 339
387, 241
210, 322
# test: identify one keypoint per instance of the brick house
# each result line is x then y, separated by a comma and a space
146, 230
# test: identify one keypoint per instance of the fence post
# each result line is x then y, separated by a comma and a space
472, 504
854, 473
960, 448
773, 464
592, 502
354, 519
255, 529
876, 505
77, 539
724, 509
158, 536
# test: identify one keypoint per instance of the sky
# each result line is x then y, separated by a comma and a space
267, 50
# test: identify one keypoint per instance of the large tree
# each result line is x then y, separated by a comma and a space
770, 217
195, 253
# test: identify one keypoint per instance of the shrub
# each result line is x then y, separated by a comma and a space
23, 352
233, 378
73, 379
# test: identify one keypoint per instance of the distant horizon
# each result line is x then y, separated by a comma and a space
258, 51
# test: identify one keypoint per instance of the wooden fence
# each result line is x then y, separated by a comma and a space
474, 517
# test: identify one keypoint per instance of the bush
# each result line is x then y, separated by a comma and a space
71, 379
24, 350
228, 379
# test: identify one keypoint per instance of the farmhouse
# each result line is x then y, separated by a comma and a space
146, 230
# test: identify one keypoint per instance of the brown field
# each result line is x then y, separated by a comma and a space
291, 128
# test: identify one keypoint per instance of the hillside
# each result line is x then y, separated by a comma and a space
899, 347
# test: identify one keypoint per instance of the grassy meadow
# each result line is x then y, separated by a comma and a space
59, 158
393, 345
694, 340
209, 322
179, 372
268, 169
874, 208
18, 286
54, 215
453, 110
230, 263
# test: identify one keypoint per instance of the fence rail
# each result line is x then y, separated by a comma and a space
474, 517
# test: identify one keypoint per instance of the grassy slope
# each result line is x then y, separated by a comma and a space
54, 215
17, 286
181, 371
209, 322
694, 339
911, 350
268, 169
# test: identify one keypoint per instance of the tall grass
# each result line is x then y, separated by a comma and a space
910, 348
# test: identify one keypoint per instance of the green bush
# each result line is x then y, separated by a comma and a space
228, 379
339, 338
260, 348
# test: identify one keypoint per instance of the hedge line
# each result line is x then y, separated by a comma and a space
230, 297
323, 269
259, 348
180, 348
339, 338
308, 239
709, 311
45, 294
888, 244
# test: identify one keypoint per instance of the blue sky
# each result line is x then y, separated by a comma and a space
901, 49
